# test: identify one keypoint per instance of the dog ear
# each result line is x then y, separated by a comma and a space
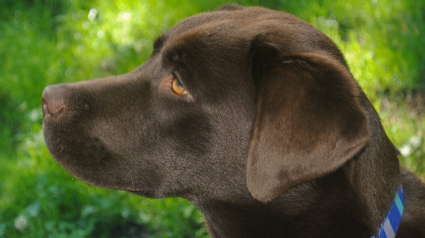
308, 121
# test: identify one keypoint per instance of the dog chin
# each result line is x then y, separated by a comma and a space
147, 194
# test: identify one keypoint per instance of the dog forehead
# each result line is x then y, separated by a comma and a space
244, 16
242, 25
214, 24
239, 28
206, 21
209, 28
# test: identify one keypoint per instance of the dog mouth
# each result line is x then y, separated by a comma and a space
89, 159
77, 152
67, 148
146, 193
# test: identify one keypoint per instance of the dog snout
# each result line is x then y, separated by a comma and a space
53, 101
59, 101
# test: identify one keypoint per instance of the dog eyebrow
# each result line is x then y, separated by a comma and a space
159, 42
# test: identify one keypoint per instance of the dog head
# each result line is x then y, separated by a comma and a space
236, 100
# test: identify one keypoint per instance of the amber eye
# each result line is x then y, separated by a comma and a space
178, 88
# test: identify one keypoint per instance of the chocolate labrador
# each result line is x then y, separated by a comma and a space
254, 117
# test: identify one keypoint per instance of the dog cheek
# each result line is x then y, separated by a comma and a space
191, 134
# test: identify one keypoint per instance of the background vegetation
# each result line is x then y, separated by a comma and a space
49, 41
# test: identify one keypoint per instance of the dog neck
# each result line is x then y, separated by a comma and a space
392, 221
349, 202
324, 205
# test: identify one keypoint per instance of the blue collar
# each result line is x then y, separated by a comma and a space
392, 221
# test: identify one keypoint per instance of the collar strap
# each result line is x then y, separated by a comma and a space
392, 221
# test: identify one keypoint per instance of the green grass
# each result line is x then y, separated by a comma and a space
45, 41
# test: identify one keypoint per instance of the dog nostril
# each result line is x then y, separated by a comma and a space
53, 102
52, 108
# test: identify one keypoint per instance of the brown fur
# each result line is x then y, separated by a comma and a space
274, 139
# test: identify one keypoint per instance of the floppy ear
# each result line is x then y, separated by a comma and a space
308, 121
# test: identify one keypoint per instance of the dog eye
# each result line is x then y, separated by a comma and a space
178, 87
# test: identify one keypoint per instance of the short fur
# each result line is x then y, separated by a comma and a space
274, 139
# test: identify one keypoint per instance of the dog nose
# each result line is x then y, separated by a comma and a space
53, 102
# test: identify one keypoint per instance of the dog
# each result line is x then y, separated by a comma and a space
254, 117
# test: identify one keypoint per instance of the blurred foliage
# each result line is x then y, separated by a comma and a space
380, 39
48, 41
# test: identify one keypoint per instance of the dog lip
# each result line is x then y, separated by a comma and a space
143, 193
139, 192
